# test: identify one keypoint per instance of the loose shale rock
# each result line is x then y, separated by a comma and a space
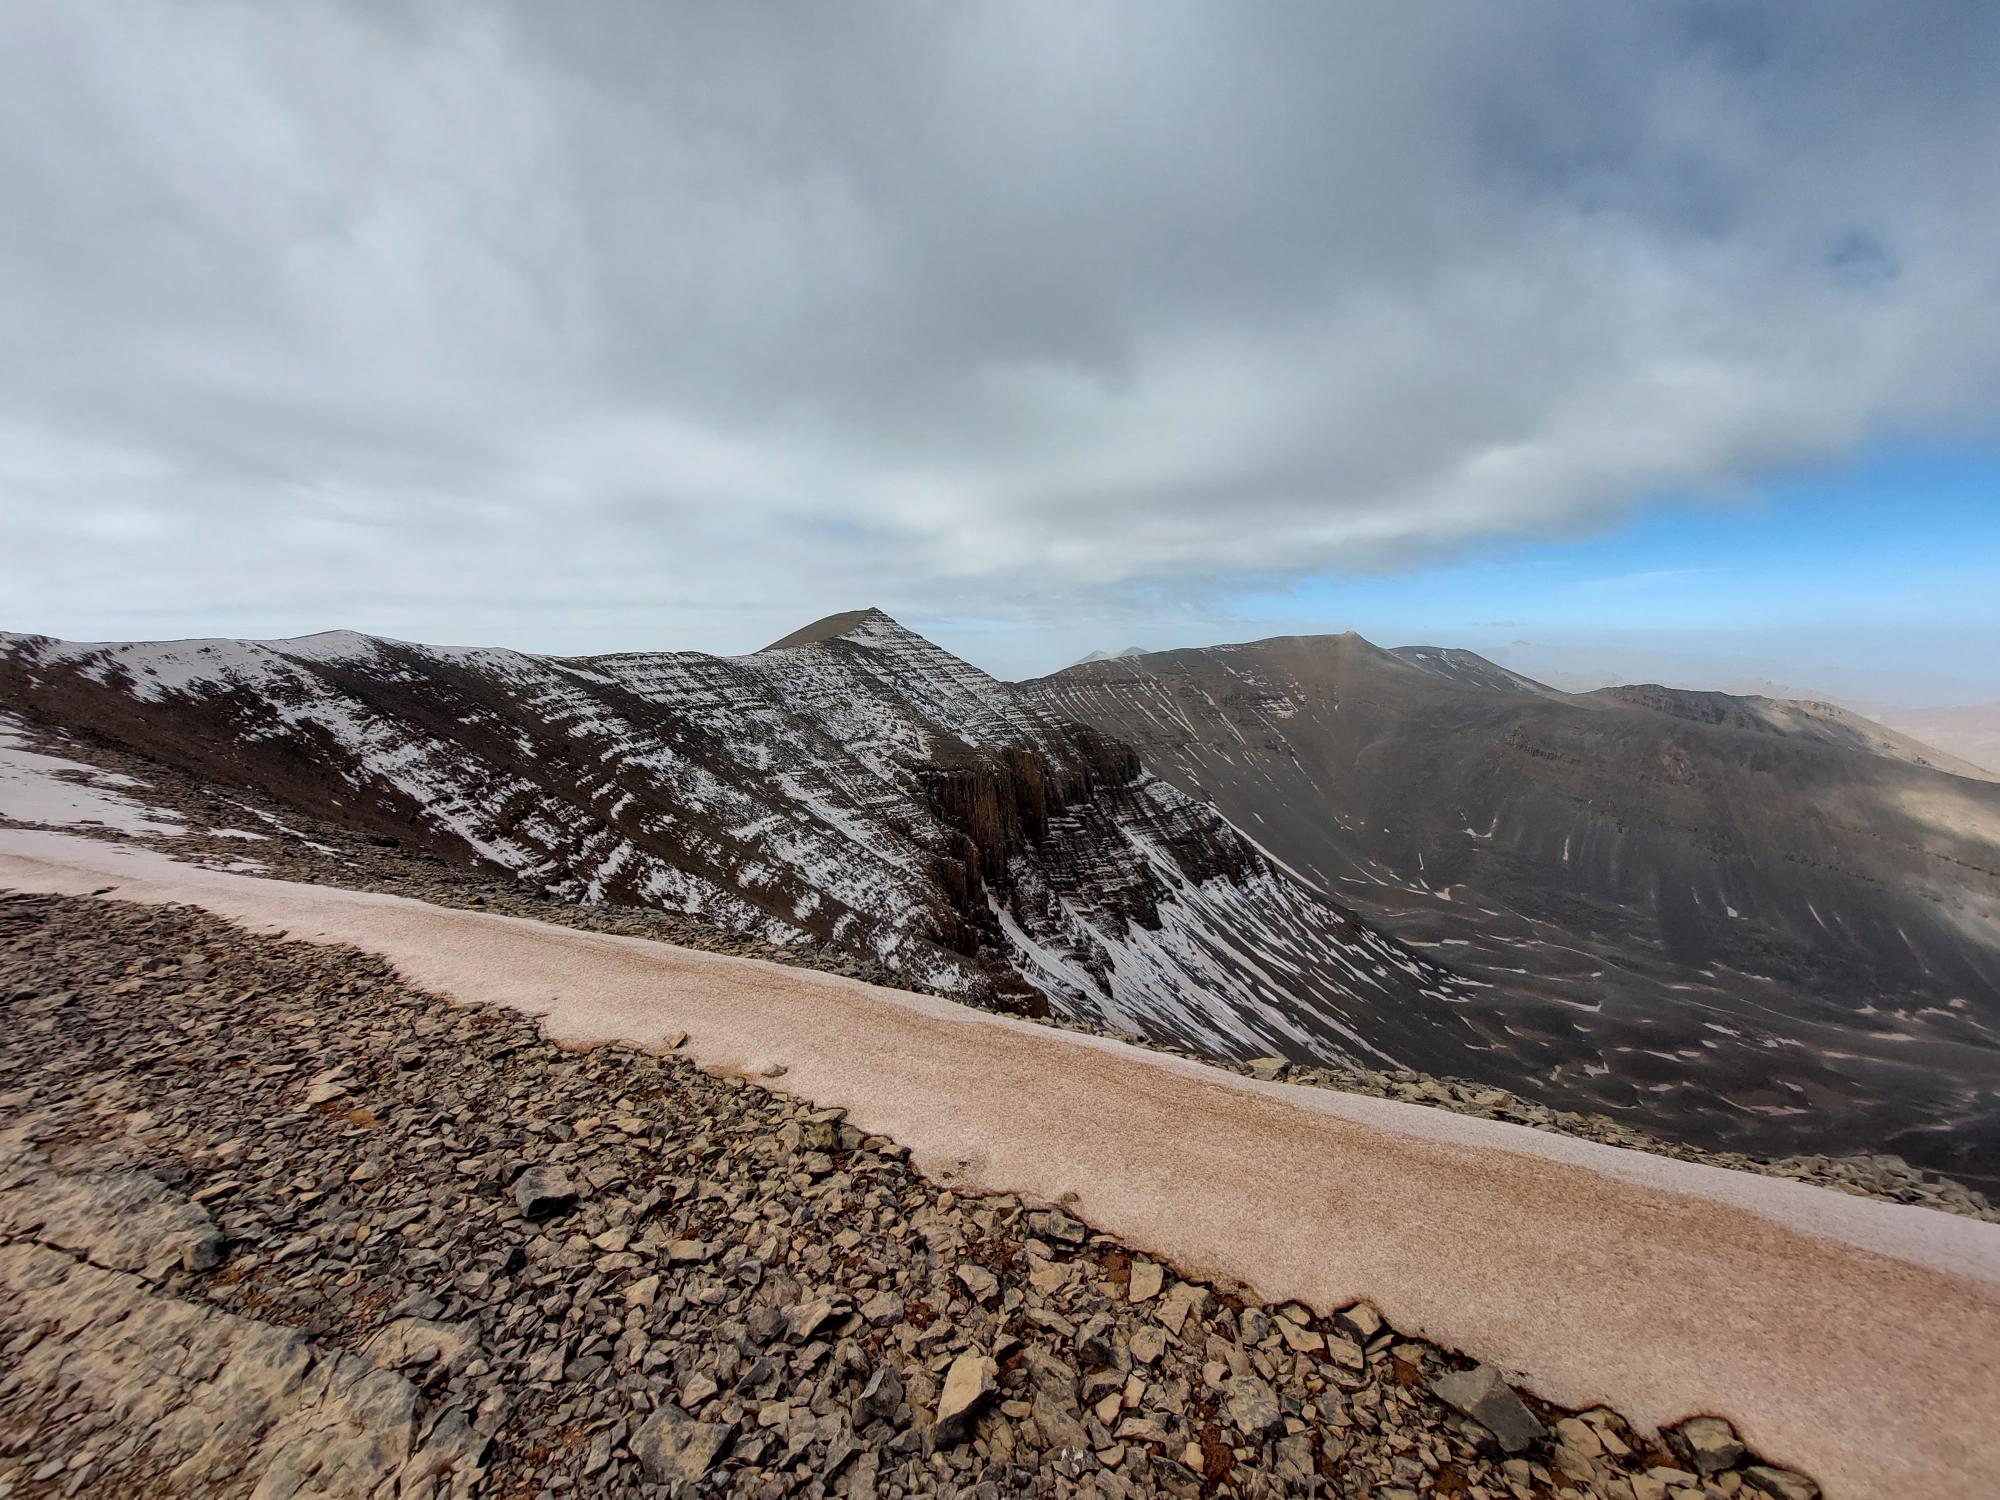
490, 1266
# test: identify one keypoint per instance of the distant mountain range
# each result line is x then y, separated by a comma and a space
1746, 919
1968, 732
1766, 925
1111, 655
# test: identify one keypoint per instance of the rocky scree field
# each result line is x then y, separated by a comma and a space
273, 1224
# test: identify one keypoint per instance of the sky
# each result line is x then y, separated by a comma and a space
1642, 341
1880, 577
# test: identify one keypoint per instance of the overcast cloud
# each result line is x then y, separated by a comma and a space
606, 326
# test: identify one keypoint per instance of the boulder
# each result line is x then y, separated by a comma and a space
1709, 1444
882, 1395
1056, 1225
1484, 1396
1360, 1322
807, 1318
1252, 1405
1782, 1484
672, 1446
1147, 1279
544, 1193
1061, 1431
968, 1385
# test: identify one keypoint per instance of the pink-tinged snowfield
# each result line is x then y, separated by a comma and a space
1855, 1340
37, 788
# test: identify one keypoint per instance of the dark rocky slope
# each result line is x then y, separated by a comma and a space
274, 1224
852, 785
1758, 924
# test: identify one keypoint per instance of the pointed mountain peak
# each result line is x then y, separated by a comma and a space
833, 627
1109, 656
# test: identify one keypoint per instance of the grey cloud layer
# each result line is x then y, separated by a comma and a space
701, 317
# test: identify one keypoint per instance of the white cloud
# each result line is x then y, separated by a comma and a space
673, 325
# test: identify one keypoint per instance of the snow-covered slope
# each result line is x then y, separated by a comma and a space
852, 784
1467, 668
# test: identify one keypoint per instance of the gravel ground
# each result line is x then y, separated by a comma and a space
273, 1223
297, 848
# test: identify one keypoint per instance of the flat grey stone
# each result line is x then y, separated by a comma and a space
1484, 1396
970, 1381
671, 1445
1709, 1443
1252, 1405
544, 1192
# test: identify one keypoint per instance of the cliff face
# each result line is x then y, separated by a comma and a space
854, 785
1027, 823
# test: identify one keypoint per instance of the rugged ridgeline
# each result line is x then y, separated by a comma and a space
852, 784
1760, 924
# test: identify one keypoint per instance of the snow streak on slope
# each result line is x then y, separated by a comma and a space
48, 789
1467, 668
856, 786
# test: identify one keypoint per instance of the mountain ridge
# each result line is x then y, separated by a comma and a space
1751, 921
852, 783
1182, 845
